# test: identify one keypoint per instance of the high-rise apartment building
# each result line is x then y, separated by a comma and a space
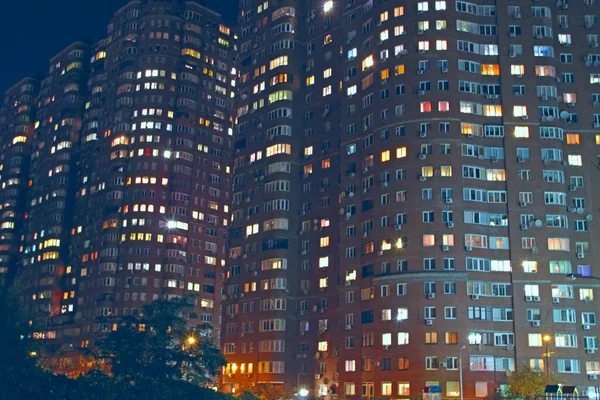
413, 181
128, 185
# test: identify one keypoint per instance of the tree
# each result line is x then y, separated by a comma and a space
527, 383
158, 350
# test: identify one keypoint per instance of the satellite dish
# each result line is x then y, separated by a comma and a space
589, 217
564, 114
404, 52
538, 223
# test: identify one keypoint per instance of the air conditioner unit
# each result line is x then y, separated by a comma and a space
512, 34
254, 273
317, 376
596, 124
420, 32
428, 322
494, 160
593, 377
512, 54
580, 255
534, 249
535, 323
421, 92
444, 70
555, 300
586, 327
304, 252
380, 253
520, 160
564, 26
442, 364
590, 351
423, 178
420, 72
445, 248
450, 224
524, 227
422, 134
422, 156
536, 299
431, 296
448, 200
348, 283
348, 327
528, 299
517, 16
525, 117
386, 347
475, 297
398, 227
522, 204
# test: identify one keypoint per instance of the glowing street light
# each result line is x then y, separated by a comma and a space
303, 392
171, 224
547, 339
328, 6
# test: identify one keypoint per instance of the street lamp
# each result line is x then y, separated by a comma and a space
575, 276
460, 371
303, 392
191, 340
547, 339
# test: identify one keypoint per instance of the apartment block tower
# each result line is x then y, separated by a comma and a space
128, 184
413, 183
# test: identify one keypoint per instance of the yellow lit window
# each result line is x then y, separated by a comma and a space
399, 69
328, 39
448, 240
519, 111
530, 267
428, 240
573, 138
324, 241
385, 73
322, 346
308, 169
492, 110
440, 25
310, 80
517, 69
401, 152
522, 131
385, 156
383, 16
427, 171
368, 62
326, 163
446, 170
190, 52
597, 139
490, 69
327, 73
323, 283
398, 11
19, 139
308, 151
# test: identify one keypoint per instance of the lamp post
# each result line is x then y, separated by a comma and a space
547, 339
460, 377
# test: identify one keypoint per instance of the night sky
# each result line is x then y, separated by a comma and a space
33, 31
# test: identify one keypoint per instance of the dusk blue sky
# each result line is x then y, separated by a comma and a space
33, 31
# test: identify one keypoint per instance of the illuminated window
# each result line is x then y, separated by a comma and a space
573, 138
598, 139
519, 111
190, 52
278, 62
385, 35
423, 45
443, 106
492, 110
490, 69
322, 346
328, 6
441, 45
575, 160
308, 151
385, 156
440, 25
399, 69
440, 5
530, 267
446, 170
386, 387
326, 163
401, 152
448, 240
427, 171
327, 91
324, 262
324, 241
426, 106
422, 6
398, 11
385, 74
323, 283
327, 73
428, 240
570, 98
368, 62
517, 69
310, 80
522, 131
